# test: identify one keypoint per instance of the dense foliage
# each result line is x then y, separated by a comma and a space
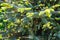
30, 19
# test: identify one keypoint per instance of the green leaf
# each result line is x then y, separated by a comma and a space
1, 36
1, 24
30, 14
0, 10
48, 14
21, 10
41, 13
57, 18
5, 20
27, 9
3, 8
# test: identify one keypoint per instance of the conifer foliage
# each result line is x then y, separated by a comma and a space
30, 19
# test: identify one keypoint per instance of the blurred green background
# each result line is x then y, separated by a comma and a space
29, 19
